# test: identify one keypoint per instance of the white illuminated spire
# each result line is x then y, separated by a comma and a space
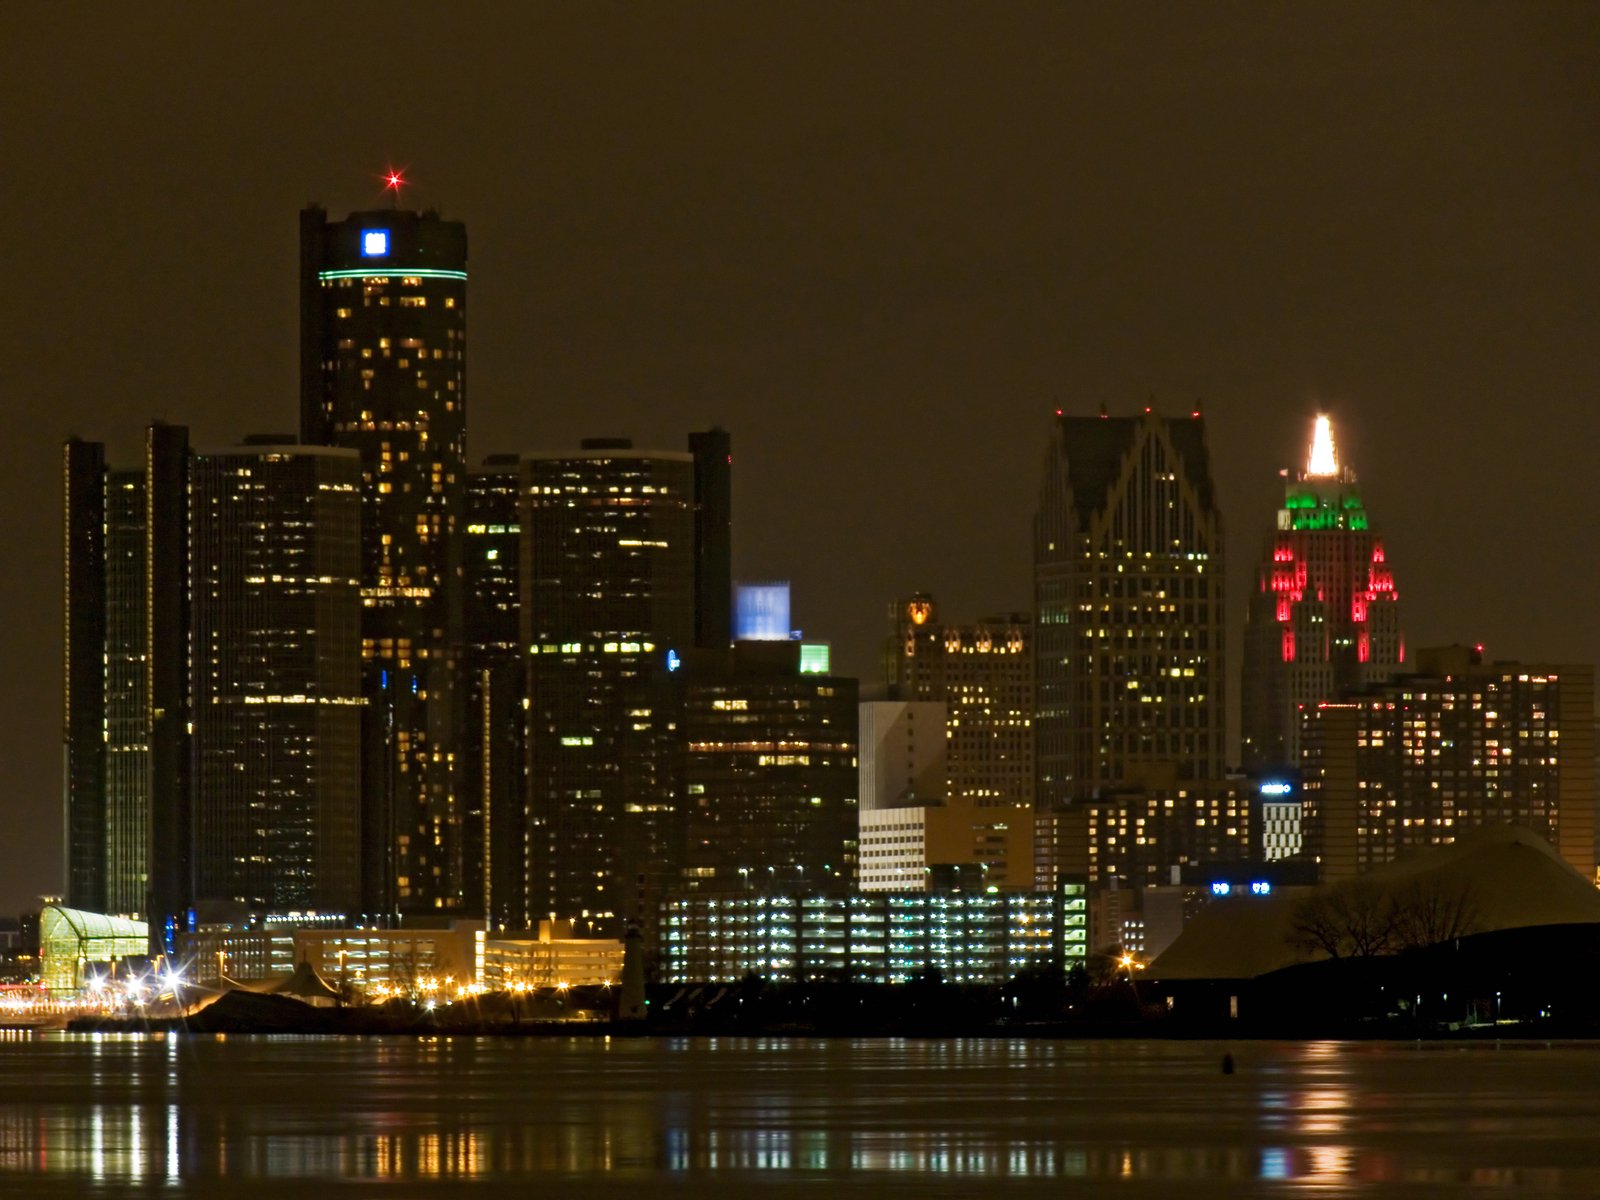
1322, 462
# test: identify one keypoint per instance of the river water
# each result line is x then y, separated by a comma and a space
90, 1115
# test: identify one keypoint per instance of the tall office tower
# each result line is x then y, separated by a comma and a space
109, 778
1412, 761
608, 594
84, 692
713, 537
492, 786
1324, 616
166, 666
274, 584
983, 674
1128, 591
383, 372
127, 736
769, 775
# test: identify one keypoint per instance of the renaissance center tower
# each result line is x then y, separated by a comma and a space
383, 372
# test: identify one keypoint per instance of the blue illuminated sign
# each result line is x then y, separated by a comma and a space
374, 243
1276, 788
673, 661
1258, 887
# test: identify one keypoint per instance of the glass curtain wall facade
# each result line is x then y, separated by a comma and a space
608, 595
1128, 588
275, 560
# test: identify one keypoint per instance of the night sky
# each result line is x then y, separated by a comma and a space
880, 247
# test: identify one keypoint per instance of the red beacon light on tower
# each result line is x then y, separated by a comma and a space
394, 180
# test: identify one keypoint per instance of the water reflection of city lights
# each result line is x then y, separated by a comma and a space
149, 1110
1330, 1163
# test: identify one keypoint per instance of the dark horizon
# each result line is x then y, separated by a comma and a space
881, 248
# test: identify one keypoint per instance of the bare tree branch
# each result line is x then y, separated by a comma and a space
1358, 919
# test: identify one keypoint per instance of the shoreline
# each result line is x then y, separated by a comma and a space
335, 1023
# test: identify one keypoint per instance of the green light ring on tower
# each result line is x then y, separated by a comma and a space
384, 272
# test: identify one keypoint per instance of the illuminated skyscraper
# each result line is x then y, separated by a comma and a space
383, 372
1414, 761
1324, 616
950, 797
127, 736
1128, 589
983, 674
769, 773
126, 744
275, 560
608, 603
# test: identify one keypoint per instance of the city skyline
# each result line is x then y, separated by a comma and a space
1421, 286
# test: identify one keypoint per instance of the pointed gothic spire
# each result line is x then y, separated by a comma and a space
1322, 462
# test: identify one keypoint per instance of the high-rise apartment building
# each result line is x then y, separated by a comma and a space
983, 674
1128, 588
608, 604
1412, 761
275, 644
1324, 616
383, 372
769, 771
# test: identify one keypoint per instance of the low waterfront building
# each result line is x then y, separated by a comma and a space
71, 938
963, 937
409, 960
552, 959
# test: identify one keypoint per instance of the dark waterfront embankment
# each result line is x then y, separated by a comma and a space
1471, 991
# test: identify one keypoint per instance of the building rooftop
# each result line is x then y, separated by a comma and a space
1513, 877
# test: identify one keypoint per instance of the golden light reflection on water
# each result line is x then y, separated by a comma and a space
1303, 1118
1316, 1115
